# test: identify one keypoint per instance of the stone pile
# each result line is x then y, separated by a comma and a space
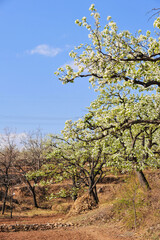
33, 227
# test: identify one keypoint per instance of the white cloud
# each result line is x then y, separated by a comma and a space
45, 50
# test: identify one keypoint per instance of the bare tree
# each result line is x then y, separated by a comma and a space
8, 156
31, 159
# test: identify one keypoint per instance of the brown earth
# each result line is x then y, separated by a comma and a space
78, 233
98, 224
100, 231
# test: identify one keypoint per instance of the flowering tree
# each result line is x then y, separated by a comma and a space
115, 55
79, 160
127, 126
117, 61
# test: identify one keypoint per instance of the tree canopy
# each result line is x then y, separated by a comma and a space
115, 56
121, 127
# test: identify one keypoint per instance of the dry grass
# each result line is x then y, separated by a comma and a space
122, 202
137, 208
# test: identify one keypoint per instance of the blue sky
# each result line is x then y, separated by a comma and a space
35, 39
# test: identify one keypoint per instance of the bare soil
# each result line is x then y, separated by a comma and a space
100, 231
97, 224
72, 233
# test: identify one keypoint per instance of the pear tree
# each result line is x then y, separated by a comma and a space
120, 65
81, 160
115, 56
127, 126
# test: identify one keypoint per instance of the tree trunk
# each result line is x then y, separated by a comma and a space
34, 197
93, 193
32, 189
4, 201
142, 179
74, 188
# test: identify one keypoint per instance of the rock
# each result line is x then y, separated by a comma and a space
32, 227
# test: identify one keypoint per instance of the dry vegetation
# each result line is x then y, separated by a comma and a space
125, 210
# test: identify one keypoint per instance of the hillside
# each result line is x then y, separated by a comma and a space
125, 211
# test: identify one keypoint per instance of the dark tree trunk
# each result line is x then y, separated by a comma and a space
95, 195
34, 197
5, 199
93, 191
142, 179
32, 189
74, 188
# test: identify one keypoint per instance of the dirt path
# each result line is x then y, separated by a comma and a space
79, 233
47, 235
109, 231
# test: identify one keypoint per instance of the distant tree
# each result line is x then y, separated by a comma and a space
8, 156
31, 159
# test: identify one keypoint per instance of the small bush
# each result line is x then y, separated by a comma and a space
131, 204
